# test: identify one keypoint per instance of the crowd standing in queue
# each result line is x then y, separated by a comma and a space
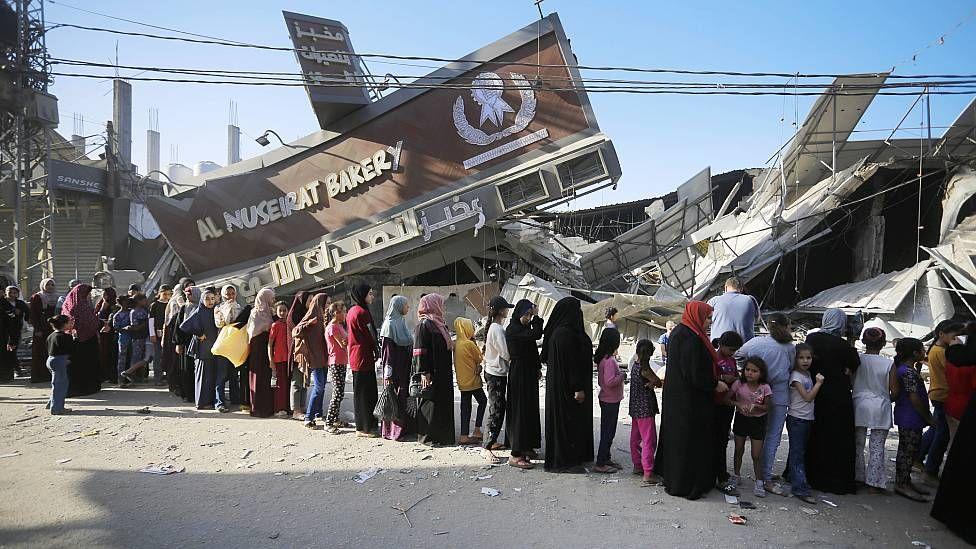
834, 403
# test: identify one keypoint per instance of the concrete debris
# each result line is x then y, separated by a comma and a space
362, 476
162, 469
490, 492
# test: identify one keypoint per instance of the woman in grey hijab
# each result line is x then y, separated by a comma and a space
830, 452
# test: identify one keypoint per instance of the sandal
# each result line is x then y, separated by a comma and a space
604, 469
520, 463
333, 430
492, 458
910, 494
499, 446
652, 480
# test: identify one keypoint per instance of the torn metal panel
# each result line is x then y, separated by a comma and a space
537, 290
809, 155
663, 238
960, 139
879, 295
961, 187
632, 305
956, 254
467, 300
754, 242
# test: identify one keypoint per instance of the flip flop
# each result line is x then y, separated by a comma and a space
911, 496
520, 464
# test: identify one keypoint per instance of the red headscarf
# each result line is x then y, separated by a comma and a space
77, 305
694, 319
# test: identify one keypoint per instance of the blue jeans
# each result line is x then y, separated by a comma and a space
775, 418
799, 431
220, 398
58, 365
608, 430
936, 440
316, 395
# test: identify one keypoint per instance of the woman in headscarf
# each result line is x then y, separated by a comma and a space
43, 305
171, 321
362, 359
108, 338
71, 286
83, 369
831, 450
685, 456
524, 431
200, 325
311, 355
397, 345
187, 363
224, 314
434, 349
259, 366
566, 351
298, 382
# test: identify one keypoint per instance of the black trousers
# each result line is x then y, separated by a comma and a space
608, 429
723, 423
479, 395
364, 395
496, 385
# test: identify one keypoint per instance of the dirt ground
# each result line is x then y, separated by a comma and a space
74, 481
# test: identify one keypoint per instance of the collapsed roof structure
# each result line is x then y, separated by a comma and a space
882, 228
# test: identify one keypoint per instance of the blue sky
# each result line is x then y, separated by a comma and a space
661, 140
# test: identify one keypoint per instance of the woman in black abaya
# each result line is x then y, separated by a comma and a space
830, 451
566, 350
434, 347
685, 450
524, 432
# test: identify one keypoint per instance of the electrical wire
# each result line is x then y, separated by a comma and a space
229, 43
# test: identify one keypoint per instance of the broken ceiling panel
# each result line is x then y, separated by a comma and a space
661, 238
956, 254
879, 295
960, 139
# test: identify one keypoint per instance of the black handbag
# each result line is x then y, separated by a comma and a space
416, 388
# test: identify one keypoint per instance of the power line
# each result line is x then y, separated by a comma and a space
961, 90
293, 77
228, 43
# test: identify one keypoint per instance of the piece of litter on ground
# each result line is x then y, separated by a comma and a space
746, 505
278, 460
736, 518
490, 492
828, 502
731, 500
609, 481
440, 533
809, 511
428, 456
483, 477
406, 471
273, 535
655, 501
784, 509
211, 444
131, 437
917, 543
675, 525
365, 475
308, 457
23, 419
246, 453
517, 489
601, 514
10, 455
63, 461
143, 410
287, 444
162, 469
90, 433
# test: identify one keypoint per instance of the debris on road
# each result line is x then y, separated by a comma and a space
809, 511
11, 454
403, 512
828, 502
736, 518
63, 461
490, 492
162, 469
365, 475
246, 453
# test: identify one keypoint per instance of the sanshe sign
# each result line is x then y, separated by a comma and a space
68, 176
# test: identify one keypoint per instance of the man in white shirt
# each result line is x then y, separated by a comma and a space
496, 374
734, 311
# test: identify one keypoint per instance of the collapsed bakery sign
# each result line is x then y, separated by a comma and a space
389, 161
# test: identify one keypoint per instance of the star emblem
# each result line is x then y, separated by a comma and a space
488, 93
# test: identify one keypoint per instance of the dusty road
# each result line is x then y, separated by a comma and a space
73, 481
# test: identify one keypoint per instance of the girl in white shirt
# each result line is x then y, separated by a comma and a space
872, 411
496, 375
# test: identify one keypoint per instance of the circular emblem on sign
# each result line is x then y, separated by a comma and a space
487, 93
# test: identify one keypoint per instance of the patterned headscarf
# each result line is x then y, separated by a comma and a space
432, 308
78, 307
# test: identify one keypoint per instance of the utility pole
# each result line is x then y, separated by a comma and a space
27, 112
